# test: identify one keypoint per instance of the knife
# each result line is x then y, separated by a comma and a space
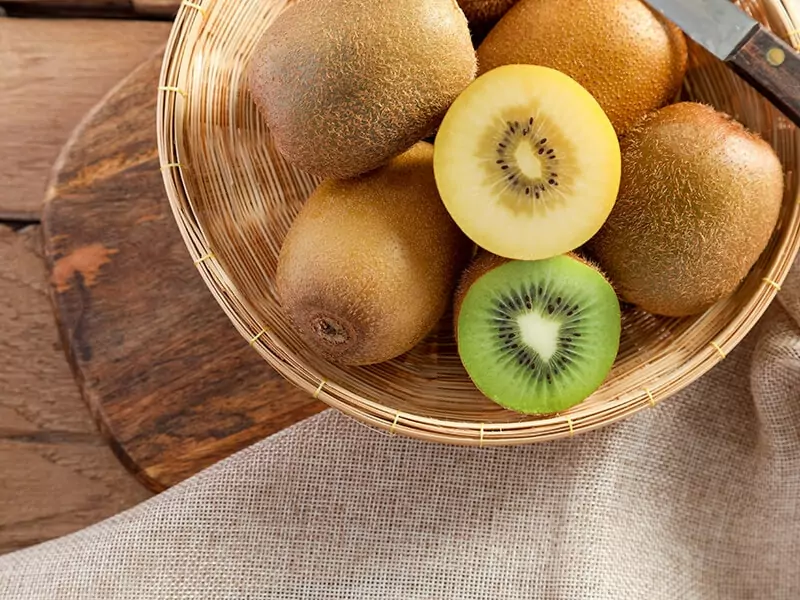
758, 56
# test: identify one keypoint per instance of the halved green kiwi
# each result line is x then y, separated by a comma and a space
537, 337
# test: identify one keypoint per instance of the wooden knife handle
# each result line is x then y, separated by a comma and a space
772, 67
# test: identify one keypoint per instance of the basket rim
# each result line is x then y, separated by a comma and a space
185, 32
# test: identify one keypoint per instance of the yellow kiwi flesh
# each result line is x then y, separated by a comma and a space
345, 85
699, 199
527, 163
631, 60
369, 264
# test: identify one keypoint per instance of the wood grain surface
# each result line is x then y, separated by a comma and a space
92, 8
58, 474
53, 71
171, 382
162, 8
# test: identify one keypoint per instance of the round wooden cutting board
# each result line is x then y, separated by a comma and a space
169, 380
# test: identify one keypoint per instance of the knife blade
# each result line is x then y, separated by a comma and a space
717, 25
757, 55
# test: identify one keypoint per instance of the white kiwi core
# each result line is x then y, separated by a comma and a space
540, 333
528, 162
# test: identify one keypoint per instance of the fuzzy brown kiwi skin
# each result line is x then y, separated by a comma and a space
628, 57
483, 15
699, 200
345, 85
369, 265
482, 263
485, 12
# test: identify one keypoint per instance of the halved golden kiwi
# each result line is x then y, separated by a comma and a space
527, 163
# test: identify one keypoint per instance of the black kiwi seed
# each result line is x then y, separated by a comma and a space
510, 305
551, 374
521, 132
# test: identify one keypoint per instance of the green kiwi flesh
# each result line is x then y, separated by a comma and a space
537, 337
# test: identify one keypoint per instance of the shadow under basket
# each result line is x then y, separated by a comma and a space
234, 197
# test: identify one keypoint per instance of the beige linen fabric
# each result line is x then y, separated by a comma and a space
698, 498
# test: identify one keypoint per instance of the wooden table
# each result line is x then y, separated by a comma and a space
58, 474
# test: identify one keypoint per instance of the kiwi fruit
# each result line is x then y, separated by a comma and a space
345, 85
629, 58
536, 337
369, 264
483, 14
699, 200
527, 163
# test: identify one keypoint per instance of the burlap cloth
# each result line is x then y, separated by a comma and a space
696, 498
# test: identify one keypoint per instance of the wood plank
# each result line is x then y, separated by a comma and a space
58, 474
166, 373
67, 8
93, 8
48, 82
163, 8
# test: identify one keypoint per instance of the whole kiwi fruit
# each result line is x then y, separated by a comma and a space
345, 85
628, 57
699, 200
369, 264
483, 14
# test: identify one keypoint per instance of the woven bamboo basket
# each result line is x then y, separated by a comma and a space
234, 197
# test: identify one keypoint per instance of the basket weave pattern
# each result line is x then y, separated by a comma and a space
234, 198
